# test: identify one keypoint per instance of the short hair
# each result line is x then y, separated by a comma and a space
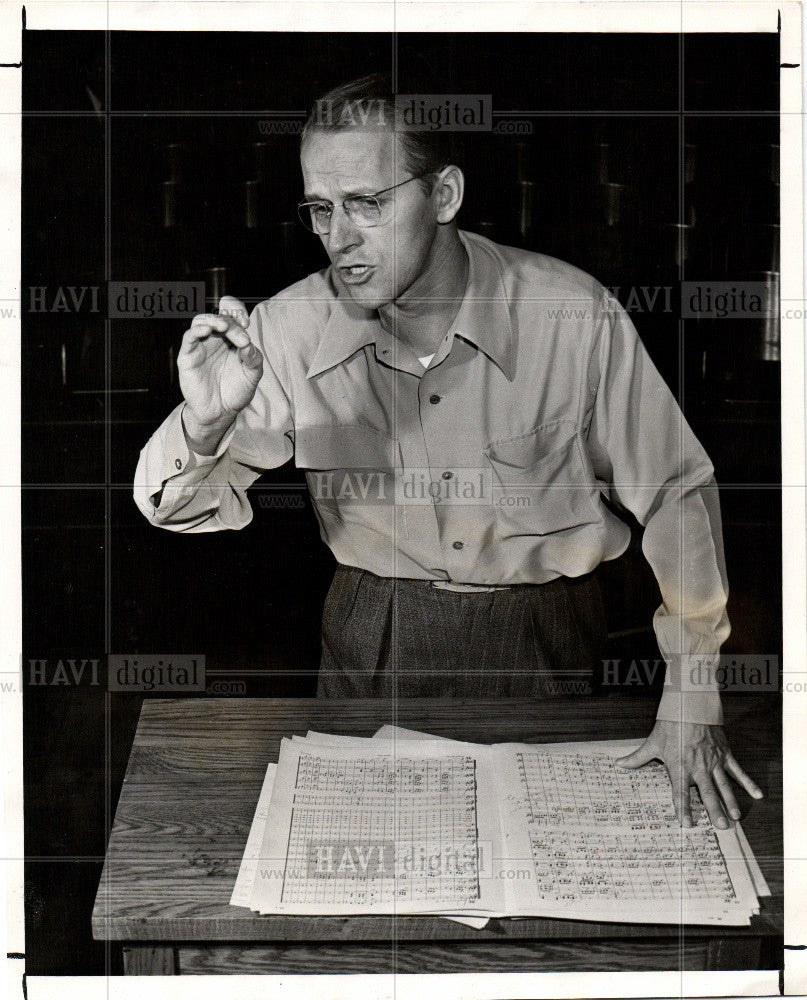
369, 103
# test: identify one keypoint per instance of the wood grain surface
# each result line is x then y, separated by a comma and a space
196, 769
446, 956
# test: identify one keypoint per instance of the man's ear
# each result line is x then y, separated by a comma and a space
450, 190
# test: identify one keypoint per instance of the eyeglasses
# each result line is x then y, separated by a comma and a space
364, 210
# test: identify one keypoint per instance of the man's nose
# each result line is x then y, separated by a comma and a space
344, 232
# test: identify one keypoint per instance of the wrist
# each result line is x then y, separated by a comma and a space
203, 437
703, 707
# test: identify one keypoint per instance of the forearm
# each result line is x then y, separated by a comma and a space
179, 489
683, 544
642, 446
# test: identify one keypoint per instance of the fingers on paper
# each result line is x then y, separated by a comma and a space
739, 775
643, 755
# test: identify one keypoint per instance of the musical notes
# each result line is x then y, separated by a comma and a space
576, 788
404, 823
371, 831
601, 836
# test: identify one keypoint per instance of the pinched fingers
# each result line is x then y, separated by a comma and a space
207, 324
234, 309
251, 357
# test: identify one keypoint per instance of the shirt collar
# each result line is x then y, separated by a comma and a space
484, 317
349, 328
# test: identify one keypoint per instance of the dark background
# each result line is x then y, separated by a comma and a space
652, 158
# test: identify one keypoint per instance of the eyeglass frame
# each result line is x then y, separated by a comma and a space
304, 204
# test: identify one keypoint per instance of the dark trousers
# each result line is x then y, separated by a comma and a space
384, 637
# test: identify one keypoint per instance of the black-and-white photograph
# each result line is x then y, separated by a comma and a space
404, 585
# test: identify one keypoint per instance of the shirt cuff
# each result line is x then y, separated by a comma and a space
702, 707
190, 459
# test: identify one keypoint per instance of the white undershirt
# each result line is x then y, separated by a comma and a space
426, 361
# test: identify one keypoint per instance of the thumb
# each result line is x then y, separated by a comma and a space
230, 306
251, 357
642, 755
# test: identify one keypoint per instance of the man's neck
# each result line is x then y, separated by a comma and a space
422, 316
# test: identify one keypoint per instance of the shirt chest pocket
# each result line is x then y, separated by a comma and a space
542, 481
347, 466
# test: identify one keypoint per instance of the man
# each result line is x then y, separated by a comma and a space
459, 431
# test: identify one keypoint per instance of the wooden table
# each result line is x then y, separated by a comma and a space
189, 796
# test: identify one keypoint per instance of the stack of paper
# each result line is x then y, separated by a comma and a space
405, 823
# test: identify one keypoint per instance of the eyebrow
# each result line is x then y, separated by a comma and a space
354, 193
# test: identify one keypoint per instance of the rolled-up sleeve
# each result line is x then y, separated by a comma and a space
643, 448
177, 489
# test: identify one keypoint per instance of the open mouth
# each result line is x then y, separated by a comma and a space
355, 274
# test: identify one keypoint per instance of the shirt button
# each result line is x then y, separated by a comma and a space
435, 398
448, 475
178, 463
458, 545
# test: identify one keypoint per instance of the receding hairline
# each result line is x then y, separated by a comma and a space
319, 128
402, 154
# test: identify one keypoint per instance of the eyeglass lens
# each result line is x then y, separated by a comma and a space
363, 211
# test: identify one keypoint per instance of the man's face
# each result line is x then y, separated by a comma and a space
338, 164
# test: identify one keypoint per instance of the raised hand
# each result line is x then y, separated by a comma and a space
219, 370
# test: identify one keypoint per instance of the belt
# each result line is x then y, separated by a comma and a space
469, 588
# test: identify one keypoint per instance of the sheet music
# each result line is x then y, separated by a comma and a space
761, 887
249, 865
381, 831
584, 787
391, 733
594, 866
401, 823
605, 840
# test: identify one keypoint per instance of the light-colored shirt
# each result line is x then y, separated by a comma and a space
488, 467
